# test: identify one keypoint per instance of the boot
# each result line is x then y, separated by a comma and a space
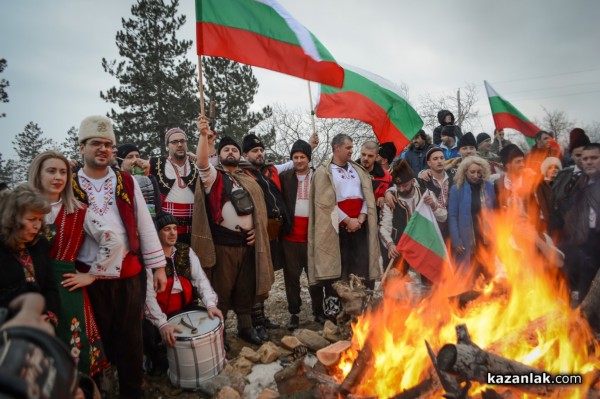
259, 319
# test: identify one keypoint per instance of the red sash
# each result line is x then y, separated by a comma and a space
299, 231
170, 302
131, 266
351, 207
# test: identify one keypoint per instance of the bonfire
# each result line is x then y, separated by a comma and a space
520, 314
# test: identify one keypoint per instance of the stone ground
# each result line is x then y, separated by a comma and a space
276, 310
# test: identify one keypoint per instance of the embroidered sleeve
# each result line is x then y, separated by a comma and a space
151, 250
201, 283
152, 311
110, 254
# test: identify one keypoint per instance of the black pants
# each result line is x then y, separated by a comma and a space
296, 260
118, 306
582, 263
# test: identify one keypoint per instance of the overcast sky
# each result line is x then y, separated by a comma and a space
533, 52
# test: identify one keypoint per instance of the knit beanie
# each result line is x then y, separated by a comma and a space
303, 147
449, 130
481, 137
402, 172
98, 126
125, 149
388, 151
578, 138
163, 219
171, 132
226, 140
467, 140
250, 141
510, 152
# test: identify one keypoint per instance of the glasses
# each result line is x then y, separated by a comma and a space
177, 142
98, 144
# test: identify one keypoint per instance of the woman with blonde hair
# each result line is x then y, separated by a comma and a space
24, 251
68, 223
471, 194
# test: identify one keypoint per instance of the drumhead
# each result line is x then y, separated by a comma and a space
197, 319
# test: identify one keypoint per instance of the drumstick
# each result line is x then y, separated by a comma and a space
190, 326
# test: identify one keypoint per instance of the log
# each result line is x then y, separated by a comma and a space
424, 389
362, 362
474, 364
331, 354
449, 383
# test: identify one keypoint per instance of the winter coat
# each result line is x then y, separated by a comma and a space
416, 157
324, 260
460, 220
437, 132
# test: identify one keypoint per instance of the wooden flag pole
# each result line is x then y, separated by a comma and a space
312, 110
200, 86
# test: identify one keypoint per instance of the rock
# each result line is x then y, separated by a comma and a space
293, 379
290, 342
331, 332
229, 377
260, 378
227, 393
330, 355
268, 352
250, 354
268, 393
242, 365
311, 339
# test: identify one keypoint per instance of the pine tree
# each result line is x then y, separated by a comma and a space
232, 86
158, 85
3, 84
27, 145
7, 171
70, 146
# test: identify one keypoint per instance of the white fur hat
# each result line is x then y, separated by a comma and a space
96, 126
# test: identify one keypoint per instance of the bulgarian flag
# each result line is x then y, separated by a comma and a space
373, 100
422, 244
507, 116
262, 33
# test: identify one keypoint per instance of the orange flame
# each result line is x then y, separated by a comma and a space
522, 313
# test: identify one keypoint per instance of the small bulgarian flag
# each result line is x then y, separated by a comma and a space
262, 33
507, 116
422, 245
373, 100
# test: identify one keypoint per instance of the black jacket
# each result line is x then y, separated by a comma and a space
437, 132
12, 283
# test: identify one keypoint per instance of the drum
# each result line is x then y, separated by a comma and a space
199, 352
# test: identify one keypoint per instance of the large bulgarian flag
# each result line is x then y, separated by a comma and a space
262, 33
373, 100
507, 116
422, 244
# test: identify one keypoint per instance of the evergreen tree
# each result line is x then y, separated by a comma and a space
158, 86
3, 84
232, 86
70, 146
27, 145
7, 171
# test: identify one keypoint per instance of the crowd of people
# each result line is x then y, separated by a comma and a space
119, 236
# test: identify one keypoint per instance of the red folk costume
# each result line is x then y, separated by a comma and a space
77, 326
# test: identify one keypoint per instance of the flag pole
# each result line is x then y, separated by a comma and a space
200, 85
312, 110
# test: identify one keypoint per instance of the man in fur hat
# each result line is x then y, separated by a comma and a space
342, 207
394, 221
238, 223
295, 187
117, 297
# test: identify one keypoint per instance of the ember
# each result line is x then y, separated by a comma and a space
521, 316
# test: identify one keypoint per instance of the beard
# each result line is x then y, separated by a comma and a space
258, 162
229, 161
179, 156
407, 193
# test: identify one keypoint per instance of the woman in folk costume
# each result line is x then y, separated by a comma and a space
470, 196
68, 223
